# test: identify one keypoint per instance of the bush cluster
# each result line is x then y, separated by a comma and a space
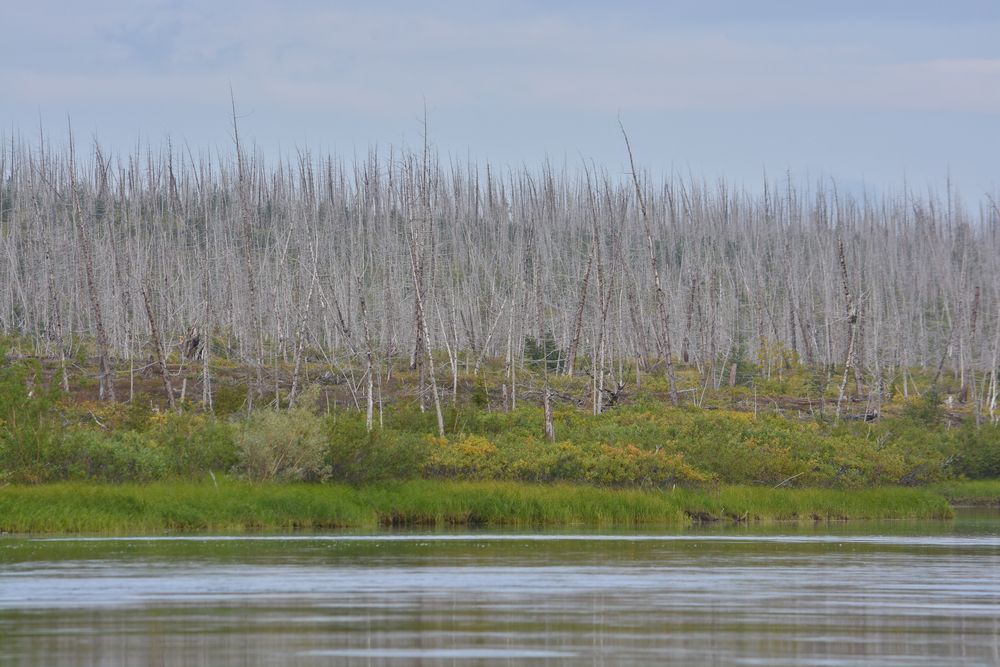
644, 445
474, 457
277, 446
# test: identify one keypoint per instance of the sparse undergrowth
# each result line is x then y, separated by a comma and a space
46, 436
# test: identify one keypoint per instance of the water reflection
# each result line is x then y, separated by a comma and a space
929, 594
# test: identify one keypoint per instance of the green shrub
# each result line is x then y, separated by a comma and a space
978, 451
282, 446
627, 465
194, 444
228, 399
469, 457
409, 419
121, 457
29, 423
539, 461
542, 353
359, 457
927, 409
475, 457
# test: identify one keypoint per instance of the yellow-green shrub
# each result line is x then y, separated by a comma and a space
471, 457
282, 446
626, 464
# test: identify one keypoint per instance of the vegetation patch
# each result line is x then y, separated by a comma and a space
644, 444
983, 492
397, 322
230, 505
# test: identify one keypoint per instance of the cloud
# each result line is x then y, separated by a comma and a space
370, 59
524, 78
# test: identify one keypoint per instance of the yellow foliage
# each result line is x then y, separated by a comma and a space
476, 446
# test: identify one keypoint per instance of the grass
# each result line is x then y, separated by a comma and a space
236, 506
977, 492
762, 503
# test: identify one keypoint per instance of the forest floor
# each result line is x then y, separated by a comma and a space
790, 390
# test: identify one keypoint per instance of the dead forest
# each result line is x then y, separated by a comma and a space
400, 258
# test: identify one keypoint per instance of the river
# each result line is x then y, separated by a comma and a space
904, 593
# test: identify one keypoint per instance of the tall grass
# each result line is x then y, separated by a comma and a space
972, 492
233, 506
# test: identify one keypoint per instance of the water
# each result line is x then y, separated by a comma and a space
873, 594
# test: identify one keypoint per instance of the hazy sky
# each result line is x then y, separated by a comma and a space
857, 90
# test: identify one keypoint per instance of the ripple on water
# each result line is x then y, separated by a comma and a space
484, 598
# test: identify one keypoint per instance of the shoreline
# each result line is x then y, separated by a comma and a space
235, 506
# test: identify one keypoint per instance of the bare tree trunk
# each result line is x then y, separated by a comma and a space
994, 390
510, 395
973, 316
247, 216
60, 334
206, 376
852, 318
422, 323
161, 360
369, 361
654, 265
106, 389
206, 352
452, 352
489, 338
601, 348
550, 429
209, 244
300, 332
689, 320
580, 305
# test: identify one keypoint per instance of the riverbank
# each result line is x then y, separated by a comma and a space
234, 506
972, 493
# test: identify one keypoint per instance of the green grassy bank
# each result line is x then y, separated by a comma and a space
979, 493
79, 507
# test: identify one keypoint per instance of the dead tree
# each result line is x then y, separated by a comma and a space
221, 243
369, 359
247, 216
852, 320
161, 358
661, 305
106, 389
973, 317
580, 305
422, 321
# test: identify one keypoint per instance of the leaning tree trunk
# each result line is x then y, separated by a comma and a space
161, 360
661, 305
424, 330
852, 319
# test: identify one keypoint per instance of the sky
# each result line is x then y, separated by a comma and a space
869, 93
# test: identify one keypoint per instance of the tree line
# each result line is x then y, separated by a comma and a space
399, 256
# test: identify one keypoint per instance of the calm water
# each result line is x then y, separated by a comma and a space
872, 594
